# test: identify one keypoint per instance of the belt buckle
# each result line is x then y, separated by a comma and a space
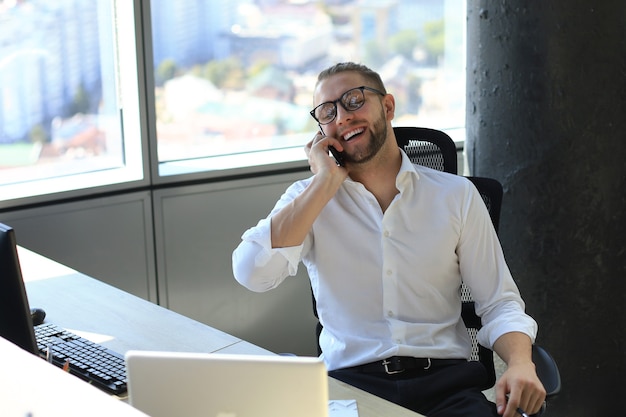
386, 364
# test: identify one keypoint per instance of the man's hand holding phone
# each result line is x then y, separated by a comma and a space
339, 158
317, 151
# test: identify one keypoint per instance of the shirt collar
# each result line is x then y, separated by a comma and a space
407, 172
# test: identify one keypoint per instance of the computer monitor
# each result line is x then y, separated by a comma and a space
15, 320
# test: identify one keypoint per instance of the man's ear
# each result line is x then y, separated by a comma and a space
389, 104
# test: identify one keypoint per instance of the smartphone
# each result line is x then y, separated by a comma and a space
336, 154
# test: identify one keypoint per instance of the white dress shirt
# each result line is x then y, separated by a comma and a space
388, 283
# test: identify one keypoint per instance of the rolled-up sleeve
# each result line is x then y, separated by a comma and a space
507, 317
259, 267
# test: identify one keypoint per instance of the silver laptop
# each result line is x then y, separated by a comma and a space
167, 384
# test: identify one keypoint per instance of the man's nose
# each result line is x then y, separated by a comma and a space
342, 115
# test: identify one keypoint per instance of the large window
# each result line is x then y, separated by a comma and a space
234, 77
229, 84
64, 122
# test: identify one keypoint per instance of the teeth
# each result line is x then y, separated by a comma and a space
348, 135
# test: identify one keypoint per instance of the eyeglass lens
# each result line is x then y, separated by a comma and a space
351, 100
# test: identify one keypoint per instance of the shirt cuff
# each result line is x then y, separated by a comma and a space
488, 334
262, 236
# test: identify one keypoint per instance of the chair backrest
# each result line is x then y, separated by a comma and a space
428, 147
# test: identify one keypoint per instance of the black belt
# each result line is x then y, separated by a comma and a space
398, 364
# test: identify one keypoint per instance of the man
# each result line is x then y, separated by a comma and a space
386, 244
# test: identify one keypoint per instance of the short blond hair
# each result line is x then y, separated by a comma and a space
366, 72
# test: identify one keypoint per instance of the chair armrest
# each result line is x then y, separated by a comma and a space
547, 371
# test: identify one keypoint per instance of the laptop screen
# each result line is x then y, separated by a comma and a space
164, 384
15, 321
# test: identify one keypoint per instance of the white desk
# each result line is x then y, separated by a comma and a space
121, 322
30, 386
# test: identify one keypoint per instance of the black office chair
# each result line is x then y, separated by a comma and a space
435, 149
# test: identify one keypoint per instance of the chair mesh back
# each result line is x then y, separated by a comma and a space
425, 153
473, 334
428, 147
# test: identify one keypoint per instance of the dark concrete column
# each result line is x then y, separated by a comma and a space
546, 115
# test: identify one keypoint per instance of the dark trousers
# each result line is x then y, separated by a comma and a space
443, 391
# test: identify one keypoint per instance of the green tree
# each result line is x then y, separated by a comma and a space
258, 67
434, 39
166, 70
38, 134
374, 54
404, 43
226, 73
80, 102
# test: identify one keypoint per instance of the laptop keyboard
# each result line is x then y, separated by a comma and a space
90, 361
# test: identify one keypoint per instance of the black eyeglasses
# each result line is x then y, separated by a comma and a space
351, 100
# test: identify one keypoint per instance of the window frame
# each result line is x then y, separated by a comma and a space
135, 173
137, 59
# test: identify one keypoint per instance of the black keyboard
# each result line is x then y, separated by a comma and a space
90, 361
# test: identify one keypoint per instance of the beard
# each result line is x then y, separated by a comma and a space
378, 135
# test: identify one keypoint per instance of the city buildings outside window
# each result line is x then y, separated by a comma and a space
64, 122
234, 77
226, 79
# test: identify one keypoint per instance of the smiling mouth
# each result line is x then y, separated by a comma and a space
351, 134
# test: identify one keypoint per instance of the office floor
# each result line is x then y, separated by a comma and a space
500, 368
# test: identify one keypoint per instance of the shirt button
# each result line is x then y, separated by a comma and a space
386, 233
389, 272
390, 313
